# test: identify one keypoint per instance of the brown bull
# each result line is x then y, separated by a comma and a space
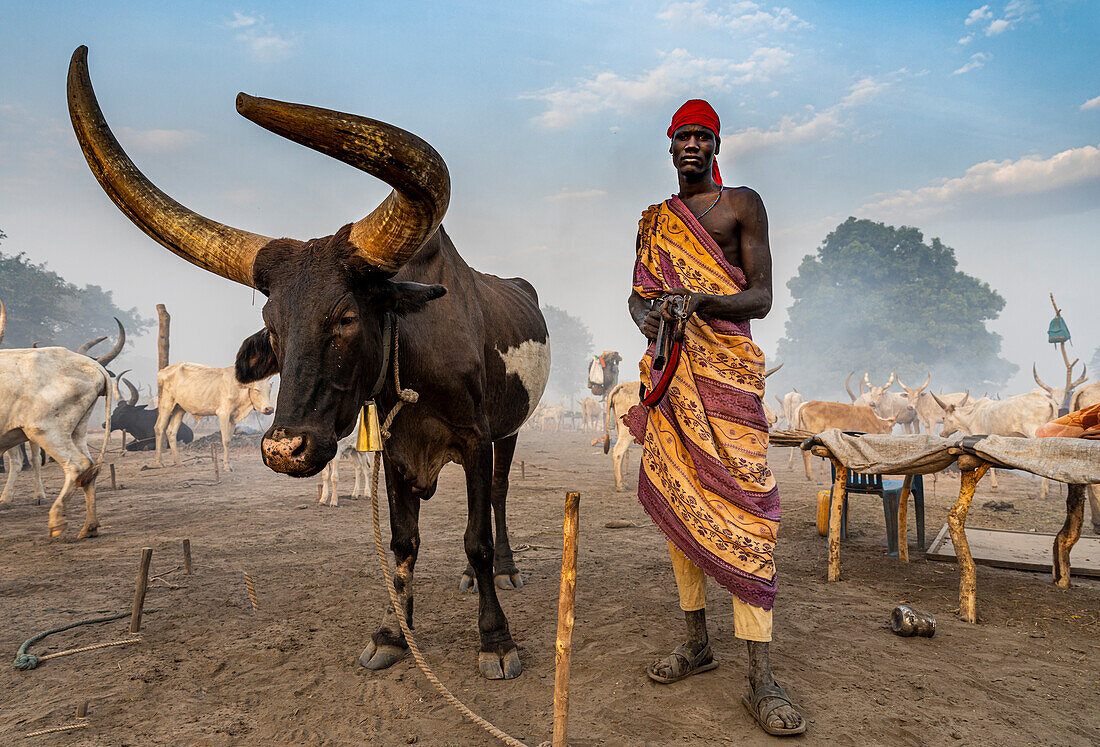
474, 346
817, 416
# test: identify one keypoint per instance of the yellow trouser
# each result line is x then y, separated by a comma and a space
749, 623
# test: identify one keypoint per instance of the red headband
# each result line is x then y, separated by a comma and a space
698, 112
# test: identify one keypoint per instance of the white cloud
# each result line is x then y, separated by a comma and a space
978, 15
816, 126
583, 194
1091, 104
157, 141
677, 76
998, 181
966, 39
260, 38
744, 16
977, 60
996, 27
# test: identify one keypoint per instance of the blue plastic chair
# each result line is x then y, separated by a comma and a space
890, 492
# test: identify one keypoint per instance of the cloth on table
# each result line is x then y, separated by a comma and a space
1070, 460
704, 477
884, 454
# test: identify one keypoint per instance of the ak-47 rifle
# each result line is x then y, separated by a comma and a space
666, 354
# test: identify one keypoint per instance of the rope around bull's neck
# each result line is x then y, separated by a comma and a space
408, 396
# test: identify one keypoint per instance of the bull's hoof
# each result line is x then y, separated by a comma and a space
494, 667
507, 580
467, 583
57, 531
377, 657
88, 532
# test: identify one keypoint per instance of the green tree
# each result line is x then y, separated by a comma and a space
42, 306
570, 352
878, 298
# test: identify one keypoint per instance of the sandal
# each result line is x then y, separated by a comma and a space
760, 709
683, 664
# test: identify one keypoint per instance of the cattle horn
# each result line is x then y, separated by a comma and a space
847, 385
111, 354
769, 373
396, 229
1082, 379
1035, 373
866, 380
3, 320
83, 349
943, 405
891, 381
133, 392
965, 399
221, 249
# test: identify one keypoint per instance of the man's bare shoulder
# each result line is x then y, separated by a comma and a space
741, 197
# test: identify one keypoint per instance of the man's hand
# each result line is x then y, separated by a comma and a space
652, 322
693, 302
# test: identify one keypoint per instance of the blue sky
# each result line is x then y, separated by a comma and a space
978, 123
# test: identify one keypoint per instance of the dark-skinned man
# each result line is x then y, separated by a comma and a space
704, 478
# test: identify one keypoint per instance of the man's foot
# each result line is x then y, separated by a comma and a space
685, 660
773, 710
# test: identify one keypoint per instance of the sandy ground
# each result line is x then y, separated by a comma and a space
208, 671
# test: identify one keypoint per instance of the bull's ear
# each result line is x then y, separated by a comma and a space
403, 297
256, 359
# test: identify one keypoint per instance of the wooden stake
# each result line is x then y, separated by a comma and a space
903, 517
523, 469
140, 588
162, 336
113, 485
834, 520
187, 556
1069, 534
82, 710
214, 458
566, 599
956, 523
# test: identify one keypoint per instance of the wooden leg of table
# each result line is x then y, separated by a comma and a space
903, 512
834, 520
956, 522
1069, 534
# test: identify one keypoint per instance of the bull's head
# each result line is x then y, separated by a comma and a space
326, 297
874, 393
913, 395
954, 420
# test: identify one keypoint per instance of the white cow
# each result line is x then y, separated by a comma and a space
200, 391
1018, 416
15, 466
620, 400
46, 397
330, 475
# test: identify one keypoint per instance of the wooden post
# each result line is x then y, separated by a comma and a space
566, 598
140, 588
187, 556
834, 519
956, 523
1068, 534
214, 458
114, 486
903, 517
82, 710
523, 469
162, 336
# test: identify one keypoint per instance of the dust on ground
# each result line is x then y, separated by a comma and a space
209, 671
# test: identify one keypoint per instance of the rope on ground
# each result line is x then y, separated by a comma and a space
56, 729
24, 660
410, 396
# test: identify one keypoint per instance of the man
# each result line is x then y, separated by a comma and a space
1084, 423
704, 477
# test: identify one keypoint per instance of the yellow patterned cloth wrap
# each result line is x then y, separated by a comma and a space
704, 477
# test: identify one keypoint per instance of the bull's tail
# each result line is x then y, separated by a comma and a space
106, 419
610, 400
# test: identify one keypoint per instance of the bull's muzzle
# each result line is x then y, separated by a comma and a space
298, 454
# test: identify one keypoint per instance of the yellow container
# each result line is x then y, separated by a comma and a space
823, 512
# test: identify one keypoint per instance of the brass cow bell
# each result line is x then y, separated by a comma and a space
370, 432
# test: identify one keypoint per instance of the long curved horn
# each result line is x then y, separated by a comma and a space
36, 343
3, 320
943, 405
866, 380
891, 381
1035, 373
221, 249
133, 392
769, 373
83, 349
396, 229
927, 381
965, 399
849, 388
111, 354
